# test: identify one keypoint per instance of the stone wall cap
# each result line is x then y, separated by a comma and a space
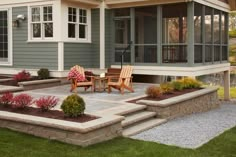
177, 99
104, 121
39, 81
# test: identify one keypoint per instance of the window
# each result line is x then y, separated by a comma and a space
3, 36
77, 23
42, 22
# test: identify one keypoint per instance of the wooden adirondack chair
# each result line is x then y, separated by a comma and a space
86, 84
124, 80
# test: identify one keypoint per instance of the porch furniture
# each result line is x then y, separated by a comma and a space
81, 82
124, 80
100, 84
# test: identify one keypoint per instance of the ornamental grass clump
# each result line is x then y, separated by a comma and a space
178, 85
6, 99
167, 88
21, 101
153, 91
191, 83
22, 76
46, 103
73, 106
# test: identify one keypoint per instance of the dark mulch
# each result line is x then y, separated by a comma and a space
165, 96
54, 114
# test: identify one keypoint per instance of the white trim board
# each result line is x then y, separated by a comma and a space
179, 71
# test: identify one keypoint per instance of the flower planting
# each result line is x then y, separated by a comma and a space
46, 103
22, 76
6, 99
21, 101
73, 106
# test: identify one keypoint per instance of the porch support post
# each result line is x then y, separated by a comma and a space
102, 35
227, 85
190, 25
60, 56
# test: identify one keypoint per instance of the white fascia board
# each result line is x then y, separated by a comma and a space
8, 2
215, 4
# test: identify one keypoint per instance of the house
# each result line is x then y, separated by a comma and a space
174, 37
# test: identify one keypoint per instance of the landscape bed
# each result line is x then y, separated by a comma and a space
201, 100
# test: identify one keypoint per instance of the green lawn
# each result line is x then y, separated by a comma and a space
13, 144
232, 93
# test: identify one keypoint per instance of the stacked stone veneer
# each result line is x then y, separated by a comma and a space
82, 134
195, 102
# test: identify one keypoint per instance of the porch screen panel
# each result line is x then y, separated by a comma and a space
224, 30
122, 38
198, 56
146, 34
3, 36
174, 38
208, 34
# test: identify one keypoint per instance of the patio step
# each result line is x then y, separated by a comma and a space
142, 126
137, 117
4, 89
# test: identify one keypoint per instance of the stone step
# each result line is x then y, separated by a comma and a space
137, 117
4, 89
123, 109
132, 130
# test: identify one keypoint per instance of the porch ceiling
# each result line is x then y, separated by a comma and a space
133, 3
90, 3
232, 4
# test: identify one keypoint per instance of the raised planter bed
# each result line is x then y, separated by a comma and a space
36, 84
82, 134
198, 101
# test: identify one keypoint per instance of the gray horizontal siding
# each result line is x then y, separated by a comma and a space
84, 54
31, 55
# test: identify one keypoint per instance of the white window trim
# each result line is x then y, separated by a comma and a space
10, 56
88, 28
30, 28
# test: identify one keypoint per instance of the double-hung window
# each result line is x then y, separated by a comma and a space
77, 24
41, 22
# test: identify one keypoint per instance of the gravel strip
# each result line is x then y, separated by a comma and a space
194, 130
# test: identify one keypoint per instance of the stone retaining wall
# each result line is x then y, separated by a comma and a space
37, 84
195, 102
82, 134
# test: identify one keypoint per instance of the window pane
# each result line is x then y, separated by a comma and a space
146, 25
175, 23
208, 25
37, 30
3, 36
208, 54
216, 26
72, 14
48, 30
122, 12
47, 13
122, 31
198, 54
174, 54
224, 53
35, 14
197, 23
83, 16
146, 54
71, 30
82, 31
216, 53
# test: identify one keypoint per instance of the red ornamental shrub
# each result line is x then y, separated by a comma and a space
46, 103
74, 74
21, 101
6, 99
22, 76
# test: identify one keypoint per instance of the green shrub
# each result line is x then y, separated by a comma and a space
43, 74
154, 91
73, 106
178, 85
166, 87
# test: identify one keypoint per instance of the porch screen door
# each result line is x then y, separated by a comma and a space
3, 36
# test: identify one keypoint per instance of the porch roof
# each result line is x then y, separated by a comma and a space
232, 4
